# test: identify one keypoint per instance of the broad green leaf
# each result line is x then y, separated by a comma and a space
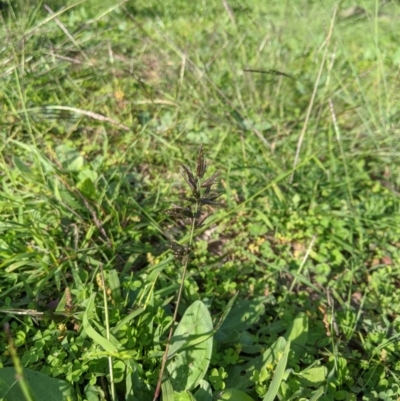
313, 377
243, 315
92, 333
167, 391
75, 164
298, 330
184, 336
43, 387
239, 375
191, 347
184, 396
278, 375
70, 158
87, 173
204, 392
232, 394
297, 333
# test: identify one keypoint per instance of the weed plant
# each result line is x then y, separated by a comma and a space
201, 196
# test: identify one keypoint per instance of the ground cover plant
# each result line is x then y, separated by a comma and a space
120, 122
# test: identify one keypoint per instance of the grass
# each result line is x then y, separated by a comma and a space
297, 273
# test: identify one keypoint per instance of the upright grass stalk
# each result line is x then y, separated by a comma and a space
202, 196
107, 319
314, 94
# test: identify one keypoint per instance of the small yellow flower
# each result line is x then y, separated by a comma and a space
150, 258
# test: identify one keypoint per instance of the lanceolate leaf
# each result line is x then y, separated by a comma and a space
92, 333
297, 333
278, 375
191, 348
43, 387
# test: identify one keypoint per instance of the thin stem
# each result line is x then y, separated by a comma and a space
178, 301
314, 94
110, 362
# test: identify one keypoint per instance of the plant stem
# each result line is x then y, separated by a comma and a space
178, 301
107, 319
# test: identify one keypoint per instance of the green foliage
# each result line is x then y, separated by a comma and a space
40, 385
290, 290
191, 348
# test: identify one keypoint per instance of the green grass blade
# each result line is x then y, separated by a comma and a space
191, 346
278, 375
92, 333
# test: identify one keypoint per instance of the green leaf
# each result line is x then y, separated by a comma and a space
243, 315
119, 369
278, 375
44, 162
191, 348
227, 310
298, 330
232, 394
127, 319
43, 387
70, 158
204, 392
87, 187
167, 391
135, 386
297, 333
313, 377
21, 166
86, 182
92, 333
217, 378
92, 393
239, 375
184, 396
115, 286
317, 394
